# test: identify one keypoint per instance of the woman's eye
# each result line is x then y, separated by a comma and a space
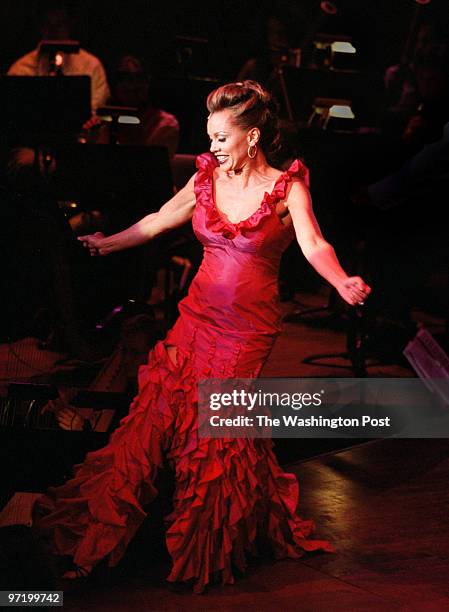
222, 140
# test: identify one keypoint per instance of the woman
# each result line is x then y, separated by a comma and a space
228, 491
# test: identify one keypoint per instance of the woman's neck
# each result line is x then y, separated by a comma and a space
251, 172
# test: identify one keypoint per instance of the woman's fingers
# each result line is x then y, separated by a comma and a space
88, 240
357, 284
91, 242
359, 295
356, 290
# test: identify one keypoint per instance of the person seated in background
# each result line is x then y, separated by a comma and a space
407, 210
423, 108
56, 25
260, 67
399, 79
138, 334
131, 87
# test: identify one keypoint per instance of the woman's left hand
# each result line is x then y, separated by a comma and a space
354, 290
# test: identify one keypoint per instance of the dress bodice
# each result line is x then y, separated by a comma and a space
230, 493
236, 287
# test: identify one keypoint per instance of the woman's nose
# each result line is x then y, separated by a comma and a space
214, 147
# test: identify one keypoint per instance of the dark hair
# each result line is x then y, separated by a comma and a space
251, 106
129, 68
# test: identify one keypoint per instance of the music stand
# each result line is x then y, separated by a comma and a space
194, 57
115, 115
282, 58
126, 182
55, 50
39, 111
363, 89
131, 176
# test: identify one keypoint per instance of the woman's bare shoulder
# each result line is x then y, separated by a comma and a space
274, 173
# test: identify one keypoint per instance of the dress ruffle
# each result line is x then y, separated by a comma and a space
216, 222
229, 492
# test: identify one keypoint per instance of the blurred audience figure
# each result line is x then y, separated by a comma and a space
56, 24
275, 44
131, 87
399, 79
418, 93
407, 210
432, 87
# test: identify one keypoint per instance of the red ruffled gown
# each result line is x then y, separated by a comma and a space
228, 491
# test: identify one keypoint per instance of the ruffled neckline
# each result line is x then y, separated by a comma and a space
217, 222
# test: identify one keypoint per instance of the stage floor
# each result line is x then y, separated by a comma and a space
382, 503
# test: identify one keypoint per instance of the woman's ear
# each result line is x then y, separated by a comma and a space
253, 136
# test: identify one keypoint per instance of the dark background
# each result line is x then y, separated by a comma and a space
233, 27
234, 31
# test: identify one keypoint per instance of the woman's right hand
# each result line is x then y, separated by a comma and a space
93, 242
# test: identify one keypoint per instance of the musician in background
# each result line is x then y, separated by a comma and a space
57, 266
138, 334
262, 65
419, 94
131, 87
56, 25
399, 79
406, 209
432, 87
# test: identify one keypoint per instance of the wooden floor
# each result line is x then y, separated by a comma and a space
384, 505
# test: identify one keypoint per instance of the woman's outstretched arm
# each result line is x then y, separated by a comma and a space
318, 252
177, 211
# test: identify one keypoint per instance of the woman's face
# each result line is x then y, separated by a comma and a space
229, 142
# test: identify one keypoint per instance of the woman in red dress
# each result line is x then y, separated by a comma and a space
228, 491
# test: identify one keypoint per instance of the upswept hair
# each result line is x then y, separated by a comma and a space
251, 106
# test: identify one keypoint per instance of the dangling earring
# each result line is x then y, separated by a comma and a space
254, 152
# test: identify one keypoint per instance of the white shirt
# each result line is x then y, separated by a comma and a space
75, 64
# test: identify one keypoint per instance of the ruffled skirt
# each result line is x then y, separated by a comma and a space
228, 492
